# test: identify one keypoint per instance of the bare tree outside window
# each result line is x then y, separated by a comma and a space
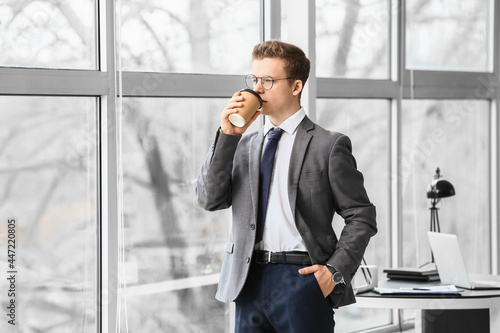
352, 38
449, 35
48, 172
189, 36
53, 34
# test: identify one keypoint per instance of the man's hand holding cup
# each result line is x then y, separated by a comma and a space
240, 112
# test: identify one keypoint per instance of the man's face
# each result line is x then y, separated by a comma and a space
281, 97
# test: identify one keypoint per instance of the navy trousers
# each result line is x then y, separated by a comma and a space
276, 298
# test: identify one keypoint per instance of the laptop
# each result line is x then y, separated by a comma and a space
450, 263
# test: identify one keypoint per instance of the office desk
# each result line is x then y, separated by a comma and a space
440, 313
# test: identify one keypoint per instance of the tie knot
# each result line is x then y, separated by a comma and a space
275, 133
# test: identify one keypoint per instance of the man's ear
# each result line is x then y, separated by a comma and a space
297, 87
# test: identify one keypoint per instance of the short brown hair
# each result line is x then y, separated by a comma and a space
297, 66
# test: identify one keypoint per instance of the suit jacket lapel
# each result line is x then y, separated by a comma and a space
302, 139
255, 153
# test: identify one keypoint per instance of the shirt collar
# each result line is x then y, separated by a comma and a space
289, 125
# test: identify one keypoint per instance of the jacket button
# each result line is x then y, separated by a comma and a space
252, 226
248, 260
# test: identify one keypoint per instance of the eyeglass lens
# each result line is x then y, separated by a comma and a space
252, 81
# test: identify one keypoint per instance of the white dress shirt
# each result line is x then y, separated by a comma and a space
280, 232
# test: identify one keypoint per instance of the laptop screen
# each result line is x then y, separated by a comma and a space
449, 260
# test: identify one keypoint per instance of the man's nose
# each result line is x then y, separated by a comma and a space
258, 88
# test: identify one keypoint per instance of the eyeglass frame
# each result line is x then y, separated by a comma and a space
260, 79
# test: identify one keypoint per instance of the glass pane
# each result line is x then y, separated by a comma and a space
56, 34
449, 35
195, 36
352, 38
169, 240
177, 311
49, 188
454, 136
369, 134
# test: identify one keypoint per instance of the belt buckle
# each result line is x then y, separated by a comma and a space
265, 256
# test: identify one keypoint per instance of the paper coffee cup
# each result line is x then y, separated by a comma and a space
251, 103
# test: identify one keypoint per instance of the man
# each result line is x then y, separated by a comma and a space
284, 265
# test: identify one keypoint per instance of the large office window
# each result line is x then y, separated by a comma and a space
434, 136
164, 144
48, 172
450, 35
170, 243
189, 36
54, 34
352, 39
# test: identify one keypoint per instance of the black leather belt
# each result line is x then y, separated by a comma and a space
289, 257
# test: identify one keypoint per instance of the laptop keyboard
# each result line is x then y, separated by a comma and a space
482, 283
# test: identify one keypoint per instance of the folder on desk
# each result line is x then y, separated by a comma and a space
411, 273
431, 290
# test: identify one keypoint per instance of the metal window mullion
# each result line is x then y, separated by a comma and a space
53, 82
495, 185
447, 85
450, 78
395, 138
142, 84
271, 20
109, 171
304, 11
356, 88
495, 146
399, 63
394, 14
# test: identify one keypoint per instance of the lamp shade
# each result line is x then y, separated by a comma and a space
440, 188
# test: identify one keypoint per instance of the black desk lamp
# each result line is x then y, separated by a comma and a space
437, 189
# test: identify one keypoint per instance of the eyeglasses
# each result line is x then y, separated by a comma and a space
266, 81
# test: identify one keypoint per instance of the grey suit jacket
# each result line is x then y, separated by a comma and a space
323, 179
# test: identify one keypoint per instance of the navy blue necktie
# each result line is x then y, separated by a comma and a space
266, 172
